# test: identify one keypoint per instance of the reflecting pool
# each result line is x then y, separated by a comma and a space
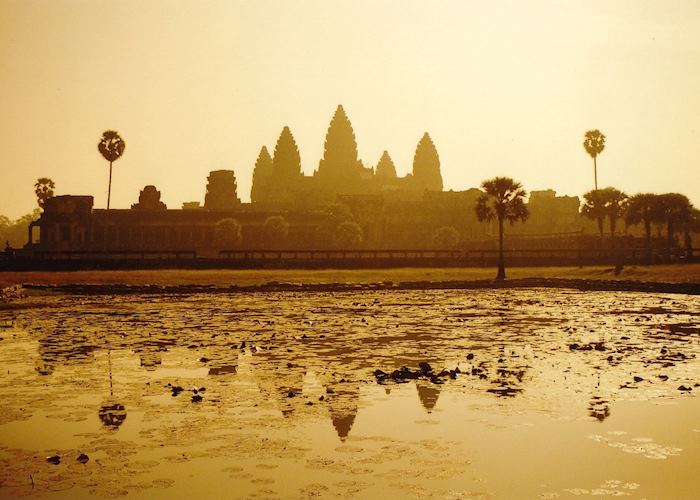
528, 393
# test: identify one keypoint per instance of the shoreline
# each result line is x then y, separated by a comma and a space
274, 286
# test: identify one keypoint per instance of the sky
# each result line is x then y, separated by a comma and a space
502, 87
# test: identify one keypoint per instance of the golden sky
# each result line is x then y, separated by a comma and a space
503, 88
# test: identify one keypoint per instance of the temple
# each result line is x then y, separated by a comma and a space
343, 204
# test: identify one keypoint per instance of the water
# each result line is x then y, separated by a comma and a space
297, 412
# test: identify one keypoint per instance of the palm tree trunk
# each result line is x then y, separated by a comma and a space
613, 242
595, 173
501, 264
109, 189
647, 228
669, 239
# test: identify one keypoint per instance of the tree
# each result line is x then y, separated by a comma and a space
111, 147
262, 172
15, 232
692, 225
502, 199
426, 165
446, 237
43, 189
385, 168
227, 233
594, 144
643, 208
615, 206
675, 210
348, 235
276, 229
594, 208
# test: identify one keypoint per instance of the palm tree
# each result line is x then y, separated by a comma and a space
675, 210
594, 144
615, 205
643, 208
43, 188
594, 208
111, 147
502, 199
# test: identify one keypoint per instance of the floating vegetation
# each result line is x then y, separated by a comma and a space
348, 392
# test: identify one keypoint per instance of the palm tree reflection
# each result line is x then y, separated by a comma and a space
112, 414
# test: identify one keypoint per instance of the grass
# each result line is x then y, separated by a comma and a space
677, 273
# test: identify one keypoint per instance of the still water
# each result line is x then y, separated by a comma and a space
551, 394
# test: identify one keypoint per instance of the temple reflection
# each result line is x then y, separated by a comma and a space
297, 370
428, 395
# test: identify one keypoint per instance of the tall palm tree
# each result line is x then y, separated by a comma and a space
111, 147
43, 188
594, 144
643, 208
502, 199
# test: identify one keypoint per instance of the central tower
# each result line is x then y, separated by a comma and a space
339, 170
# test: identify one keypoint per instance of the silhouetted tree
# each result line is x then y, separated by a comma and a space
43, 189
594, 144
276, 229
16, 231
348, 235
446, 237
643, 208
227, 233
594, 208
261, 177
502, 199
111, 147
691, 226
221, 191
675, 210
339, 162
615, 205
385, 168
426, 165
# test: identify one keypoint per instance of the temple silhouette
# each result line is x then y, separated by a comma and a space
343, 204
278, 181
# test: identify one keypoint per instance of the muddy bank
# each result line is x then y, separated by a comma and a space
274, 286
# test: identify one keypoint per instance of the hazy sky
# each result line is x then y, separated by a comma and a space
503, 88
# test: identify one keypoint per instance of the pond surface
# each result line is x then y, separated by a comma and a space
530, 393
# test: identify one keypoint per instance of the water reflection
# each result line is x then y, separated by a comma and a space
428, 395
284, 361
112, 414
493, 338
